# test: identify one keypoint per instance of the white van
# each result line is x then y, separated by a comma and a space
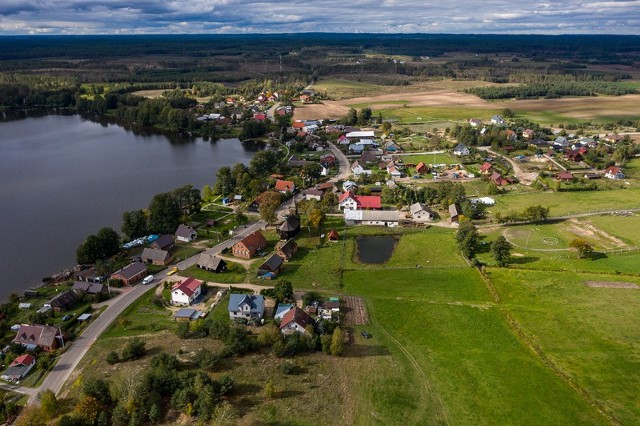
148, 279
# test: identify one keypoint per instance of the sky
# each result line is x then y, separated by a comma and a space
22, 17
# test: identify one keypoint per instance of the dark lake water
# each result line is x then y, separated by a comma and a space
375, 250
64, 177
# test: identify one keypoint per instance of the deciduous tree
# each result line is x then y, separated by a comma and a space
501, 250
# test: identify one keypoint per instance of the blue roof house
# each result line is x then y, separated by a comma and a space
246, 306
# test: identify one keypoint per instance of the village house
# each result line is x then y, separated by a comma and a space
289, 228
528, 134
211, 263
358, 134
34, 336
475, 122
284, 186
454, 212
249, 245
328, 160
281, 310
186, 233
187, 314
350, 201
130, 274
295, 321
561, 142
498, 120
497, 179
615, 138
564, 176
329, 310
271, 267
349, 185
89, 288
185, 292
88, 275
313, 194
254, 207
391, 146
461, 150
389, 218
393, 171
614, 172
246, 307
357, 169
19, 368
295, 162
156, 257
163, 242
63, 301
356, 148
286, 249
485, 169
422, 168
420, 213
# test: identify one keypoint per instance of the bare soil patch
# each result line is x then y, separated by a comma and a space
582, 107
610, 284
586, 229
356, 311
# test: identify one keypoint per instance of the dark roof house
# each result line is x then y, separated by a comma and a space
155, 256
63, 301
289, 228
163, 242
89, 288
131, 273
211, 263
286, 249
45, 337
271, 267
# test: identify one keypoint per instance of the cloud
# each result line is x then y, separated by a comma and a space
277, 16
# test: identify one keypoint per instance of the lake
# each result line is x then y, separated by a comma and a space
64, 177
375, 250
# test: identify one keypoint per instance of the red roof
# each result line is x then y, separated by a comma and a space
363, 201
613, 170
485, 167
420, 166
188, 286
498, 179
333, 235
565, 176
284, 185
296, 315
25, 359
260, 116
298, 124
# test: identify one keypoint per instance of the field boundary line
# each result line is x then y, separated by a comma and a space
548, 362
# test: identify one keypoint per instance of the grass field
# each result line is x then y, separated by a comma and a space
564, 203
591, 334
235, 273
426, 114
462, 362
627, 228
141, 317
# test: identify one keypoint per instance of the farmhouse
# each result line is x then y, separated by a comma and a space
422, 168
313, 194
461, 150
19, 368
498, 120
131, 273
614, 172
289, 228
295, 321
163, 242
271, 267
498, 179
357, 169
246, 306
89, 288
564, 176
390, 218
485, 169
286, 249
186, 292
63, 301
284, 186
156, 257
420, 213
186, 233
350, 201
34, 336
211, 263
249, 245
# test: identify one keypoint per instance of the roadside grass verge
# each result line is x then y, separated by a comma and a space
141, 317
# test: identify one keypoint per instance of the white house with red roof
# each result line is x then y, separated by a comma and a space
285, 186
185, 292
614, 172
350, 201
295, 320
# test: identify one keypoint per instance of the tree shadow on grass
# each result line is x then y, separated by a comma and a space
523, 260
246, 390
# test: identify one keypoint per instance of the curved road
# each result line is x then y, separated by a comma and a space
68, 361
343, 163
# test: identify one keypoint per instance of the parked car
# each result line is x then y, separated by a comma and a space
366, 335
67, 317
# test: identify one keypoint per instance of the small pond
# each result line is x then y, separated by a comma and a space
376, 250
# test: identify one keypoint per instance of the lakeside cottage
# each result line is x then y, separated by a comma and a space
186, 233
130, 274
34, 336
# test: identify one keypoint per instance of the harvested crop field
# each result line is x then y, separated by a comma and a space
583, 108
356, 311
610, 284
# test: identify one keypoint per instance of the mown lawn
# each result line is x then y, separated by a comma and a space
141, 317
591, 334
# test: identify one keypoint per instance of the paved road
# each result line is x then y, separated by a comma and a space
76, 351
343, 163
